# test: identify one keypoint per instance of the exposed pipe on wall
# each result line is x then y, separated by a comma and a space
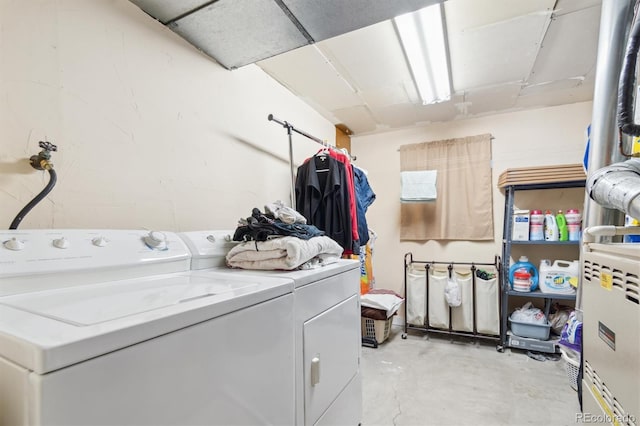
626, 88
614, 28
617, 187
41, 161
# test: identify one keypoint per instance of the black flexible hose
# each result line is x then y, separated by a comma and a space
26, 209
627, 82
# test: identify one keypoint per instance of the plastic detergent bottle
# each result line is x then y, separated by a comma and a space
563, 231
574, 218
550, 227
536, 232
523, 265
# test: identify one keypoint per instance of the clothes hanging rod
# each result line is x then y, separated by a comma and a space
290, 127
453, 263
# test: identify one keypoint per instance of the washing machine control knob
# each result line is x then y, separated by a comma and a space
227, 238
61, 243
14, 244
99, 241
156, 240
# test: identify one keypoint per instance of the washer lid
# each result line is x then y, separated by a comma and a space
47, 330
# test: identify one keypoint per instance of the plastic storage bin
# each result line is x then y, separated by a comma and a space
526, 329
376, 329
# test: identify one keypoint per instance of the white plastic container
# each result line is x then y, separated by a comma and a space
558, 277
574, 220
550, 227
536, 232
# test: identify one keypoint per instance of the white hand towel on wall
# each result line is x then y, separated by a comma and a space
418, 186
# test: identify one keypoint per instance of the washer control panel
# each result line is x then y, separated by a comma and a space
43, 253
208, 248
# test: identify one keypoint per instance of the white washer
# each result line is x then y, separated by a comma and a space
327, 329
111, 327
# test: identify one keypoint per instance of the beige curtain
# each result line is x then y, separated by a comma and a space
463, 209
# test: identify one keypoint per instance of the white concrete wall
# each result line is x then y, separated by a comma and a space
150, 132
541, 137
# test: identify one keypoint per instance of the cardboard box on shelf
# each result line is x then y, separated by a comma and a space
520, 230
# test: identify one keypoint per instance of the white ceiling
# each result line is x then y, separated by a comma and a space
505, 55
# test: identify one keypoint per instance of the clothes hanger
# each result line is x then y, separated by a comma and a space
324, 151
322, 155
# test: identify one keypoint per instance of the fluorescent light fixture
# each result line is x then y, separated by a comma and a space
423, 40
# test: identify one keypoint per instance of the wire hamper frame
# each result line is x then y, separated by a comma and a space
427, 328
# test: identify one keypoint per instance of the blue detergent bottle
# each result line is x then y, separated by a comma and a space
524, 264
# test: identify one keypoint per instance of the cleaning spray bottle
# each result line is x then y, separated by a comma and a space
563, 230
550, 227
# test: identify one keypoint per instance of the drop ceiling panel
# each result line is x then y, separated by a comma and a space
370, 57
568, 6
240, 32
389, 96
359, 118
166, 10
445, 111
569, 46
579, 93
480, 101
550, 86
307, 73
397, 115
329, 18
464, 15
493, 54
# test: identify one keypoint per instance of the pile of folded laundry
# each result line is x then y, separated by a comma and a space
280, 239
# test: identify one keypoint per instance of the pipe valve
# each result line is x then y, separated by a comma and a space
41, 161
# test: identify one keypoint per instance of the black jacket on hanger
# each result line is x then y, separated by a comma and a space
322, 197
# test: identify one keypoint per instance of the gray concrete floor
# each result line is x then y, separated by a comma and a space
437, 380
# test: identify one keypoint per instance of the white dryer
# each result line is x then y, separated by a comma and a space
112, 327
326, 324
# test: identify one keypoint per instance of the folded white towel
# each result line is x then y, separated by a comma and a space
285, 253
418, 185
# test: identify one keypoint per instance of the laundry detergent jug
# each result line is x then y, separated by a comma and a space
550, 227
523, 266
563, 230
561, 277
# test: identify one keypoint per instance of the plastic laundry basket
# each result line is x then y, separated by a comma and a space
572, 368
376, 329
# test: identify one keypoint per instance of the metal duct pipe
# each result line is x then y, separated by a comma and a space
617, 187
614, 27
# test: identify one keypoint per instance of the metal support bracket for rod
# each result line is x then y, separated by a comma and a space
290, 128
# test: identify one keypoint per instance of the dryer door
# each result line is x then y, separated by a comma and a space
331, 355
